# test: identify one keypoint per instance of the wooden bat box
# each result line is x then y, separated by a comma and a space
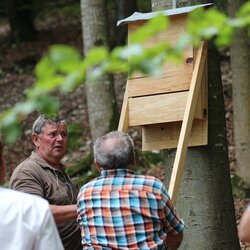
158, 104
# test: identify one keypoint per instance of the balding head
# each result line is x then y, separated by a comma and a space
114, 150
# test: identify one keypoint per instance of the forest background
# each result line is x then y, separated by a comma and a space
60, 23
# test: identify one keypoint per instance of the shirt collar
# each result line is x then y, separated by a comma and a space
119, 171
43, 163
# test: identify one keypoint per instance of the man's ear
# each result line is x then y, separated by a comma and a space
35, 138
98, 166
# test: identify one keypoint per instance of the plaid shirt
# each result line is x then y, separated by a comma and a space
124, 210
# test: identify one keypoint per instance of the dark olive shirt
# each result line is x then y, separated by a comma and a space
36, 176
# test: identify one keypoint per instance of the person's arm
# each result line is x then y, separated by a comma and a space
64, 213
244, 226
174, 241
173, 223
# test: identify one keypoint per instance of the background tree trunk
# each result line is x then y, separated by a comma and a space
240, 63
161, 5
205, 199
102, 108
21, 16
124, 9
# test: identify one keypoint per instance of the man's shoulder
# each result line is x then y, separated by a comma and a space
89, 184
28, 164
23, 201
150, 179
26, 169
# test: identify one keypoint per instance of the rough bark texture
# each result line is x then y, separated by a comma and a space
161, 4
205, 199
100, 94
240, 63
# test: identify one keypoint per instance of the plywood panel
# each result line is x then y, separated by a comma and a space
174, 77
171, 34
166, 135
158, 108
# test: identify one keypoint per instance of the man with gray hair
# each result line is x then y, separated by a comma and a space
43, 174
124, 210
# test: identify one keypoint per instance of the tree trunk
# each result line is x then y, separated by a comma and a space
102, 108
161, 5
205, 199
21, 19
240, 63
124, 9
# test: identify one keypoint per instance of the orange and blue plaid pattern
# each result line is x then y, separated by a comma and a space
124, 210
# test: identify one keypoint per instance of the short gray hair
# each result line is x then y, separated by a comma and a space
42, 120
114, 150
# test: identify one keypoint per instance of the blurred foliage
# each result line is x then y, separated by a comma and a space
63, 69
239, 187
145, 159
81, 167
75, 132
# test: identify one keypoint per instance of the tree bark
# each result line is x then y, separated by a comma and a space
205, 199
158, 5
100, 94
240, 64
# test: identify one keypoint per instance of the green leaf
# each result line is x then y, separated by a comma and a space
25, 108
12, 132
47, 104
151, 28
72, 80
96, 56
44, 69
64, 58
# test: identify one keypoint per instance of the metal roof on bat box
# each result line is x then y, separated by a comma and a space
137, 16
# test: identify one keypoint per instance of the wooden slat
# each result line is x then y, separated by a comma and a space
152, 86
124, 122
166, 135
170, 81
187, 123
158, 108
172, 70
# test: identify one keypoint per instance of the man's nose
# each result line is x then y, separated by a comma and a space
59, 137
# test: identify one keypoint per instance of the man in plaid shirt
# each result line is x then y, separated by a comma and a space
121, 209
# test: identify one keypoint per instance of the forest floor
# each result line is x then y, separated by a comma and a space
17, 64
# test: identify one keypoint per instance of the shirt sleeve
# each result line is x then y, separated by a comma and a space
27, 180
172, 221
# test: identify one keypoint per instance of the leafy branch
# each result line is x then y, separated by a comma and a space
63, 69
